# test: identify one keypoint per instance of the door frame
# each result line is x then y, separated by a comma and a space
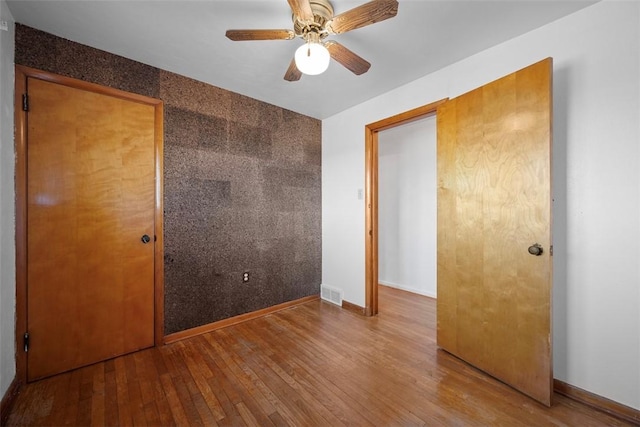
22, 73
371, 195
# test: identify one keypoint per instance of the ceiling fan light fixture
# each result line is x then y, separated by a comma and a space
312, 58
314, 21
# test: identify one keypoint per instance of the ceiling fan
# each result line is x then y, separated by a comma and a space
313, 21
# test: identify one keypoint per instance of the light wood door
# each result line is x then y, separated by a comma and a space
494, 186
90, 199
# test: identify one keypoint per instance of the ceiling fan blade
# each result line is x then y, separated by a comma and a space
301, 9
344, 56
361, 16
292, 74
246, 35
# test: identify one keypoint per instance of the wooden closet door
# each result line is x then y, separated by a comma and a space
494, 206
90, 199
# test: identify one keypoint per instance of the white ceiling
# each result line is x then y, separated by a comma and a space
188, 38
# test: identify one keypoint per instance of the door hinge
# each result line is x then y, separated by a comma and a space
25, 102
26, 342
551, 250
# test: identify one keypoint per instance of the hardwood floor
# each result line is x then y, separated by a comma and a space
311, 365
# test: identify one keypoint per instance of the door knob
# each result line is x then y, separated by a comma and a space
535, 249
145, 239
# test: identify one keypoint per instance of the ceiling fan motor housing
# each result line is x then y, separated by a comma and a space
322, 13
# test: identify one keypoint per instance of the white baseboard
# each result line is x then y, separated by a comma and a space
407, 288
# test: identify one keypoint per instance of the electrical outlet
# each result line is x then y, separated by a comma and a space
245, 276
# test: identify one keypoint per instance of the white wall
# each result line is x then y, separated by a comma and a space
407, 207
596, 171
7, 207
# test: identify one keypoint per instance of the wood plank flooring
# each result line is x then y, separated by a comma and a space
311, 365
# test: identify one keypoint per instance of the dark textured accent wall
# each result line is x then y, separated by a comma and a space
241, 185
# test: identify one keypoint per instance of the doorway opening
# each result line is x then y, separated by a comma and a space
371, 195
407, 207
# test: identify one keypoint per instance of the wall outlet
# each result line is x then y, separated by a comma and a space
245, 276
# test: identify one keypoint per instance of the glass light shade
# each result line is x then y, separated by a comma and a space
312, 58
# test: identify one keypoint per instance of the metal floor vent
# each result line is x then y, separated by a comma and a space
330, 294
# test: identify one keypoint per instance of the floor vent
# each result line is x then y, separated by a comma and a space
332, 295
